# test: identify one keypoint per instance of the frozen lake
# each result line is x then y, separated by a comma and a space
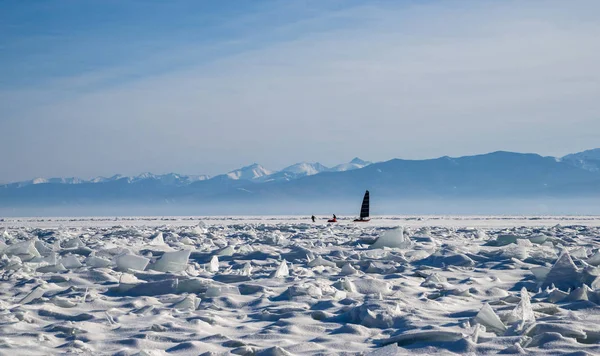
408, 220
283, 285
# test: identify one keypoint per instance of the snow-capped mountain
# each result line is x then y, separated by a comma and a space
305, 169
71, 180
356, 163
166, 179
588, 160
197, 177
295, 171
169, 178
251, 172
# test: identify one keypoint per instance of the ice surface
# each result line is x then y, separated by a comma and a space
157, 240
214, 264
594, 260
70, 262
220, 290
72, 243
580, 253
540, 272
389, 350
282, 270
282, 285
348, 269
6, 236
538, 239
35, 294
579, 294
25, 250
488, 318
176, 261
503, 240
190, 302
517, 251
445, 258
428, 336
564, 274
319, 261
523, 313
393, 238
226, 251
97, 262
42, 248
129, 261
434, 280
247, 269
168, 286
556, 296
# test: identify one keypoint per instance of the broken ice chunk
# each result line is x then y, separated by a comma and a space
392, 238
247, 269
97, 262
488, 318
564, 274
348, 269
319, 261
594, 260
176, 261
540, 272
129, 261
214, 264
190, 302
157, 240
70, 262
282, 270
523, 312
25, 250
36, 293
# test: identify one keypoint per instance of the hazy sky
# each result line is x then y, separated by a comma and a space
100, 87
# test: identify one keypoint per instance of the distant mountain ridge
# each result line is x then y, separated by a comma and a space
170, 178
496, 175
254, 172
588, 160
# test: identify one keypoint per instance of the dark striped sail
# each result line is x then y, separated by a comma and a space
364, 209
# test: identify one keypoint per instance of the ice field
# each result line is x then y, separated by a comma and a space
287, 286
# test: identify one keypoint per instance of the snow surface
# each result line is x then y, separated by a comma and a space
287, 286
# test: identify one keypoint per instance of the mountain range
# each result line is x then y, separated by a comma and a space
493, 176
253, 173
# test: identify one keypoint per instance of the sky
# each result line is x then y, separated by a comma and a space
100, 87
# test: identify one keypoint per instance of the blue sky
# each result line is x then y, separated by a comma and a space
93, 88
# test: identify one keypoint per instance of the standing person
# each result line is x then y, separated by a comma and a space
313, 218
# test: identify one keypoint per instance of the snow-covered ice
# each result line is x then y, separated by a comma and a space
287, 286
